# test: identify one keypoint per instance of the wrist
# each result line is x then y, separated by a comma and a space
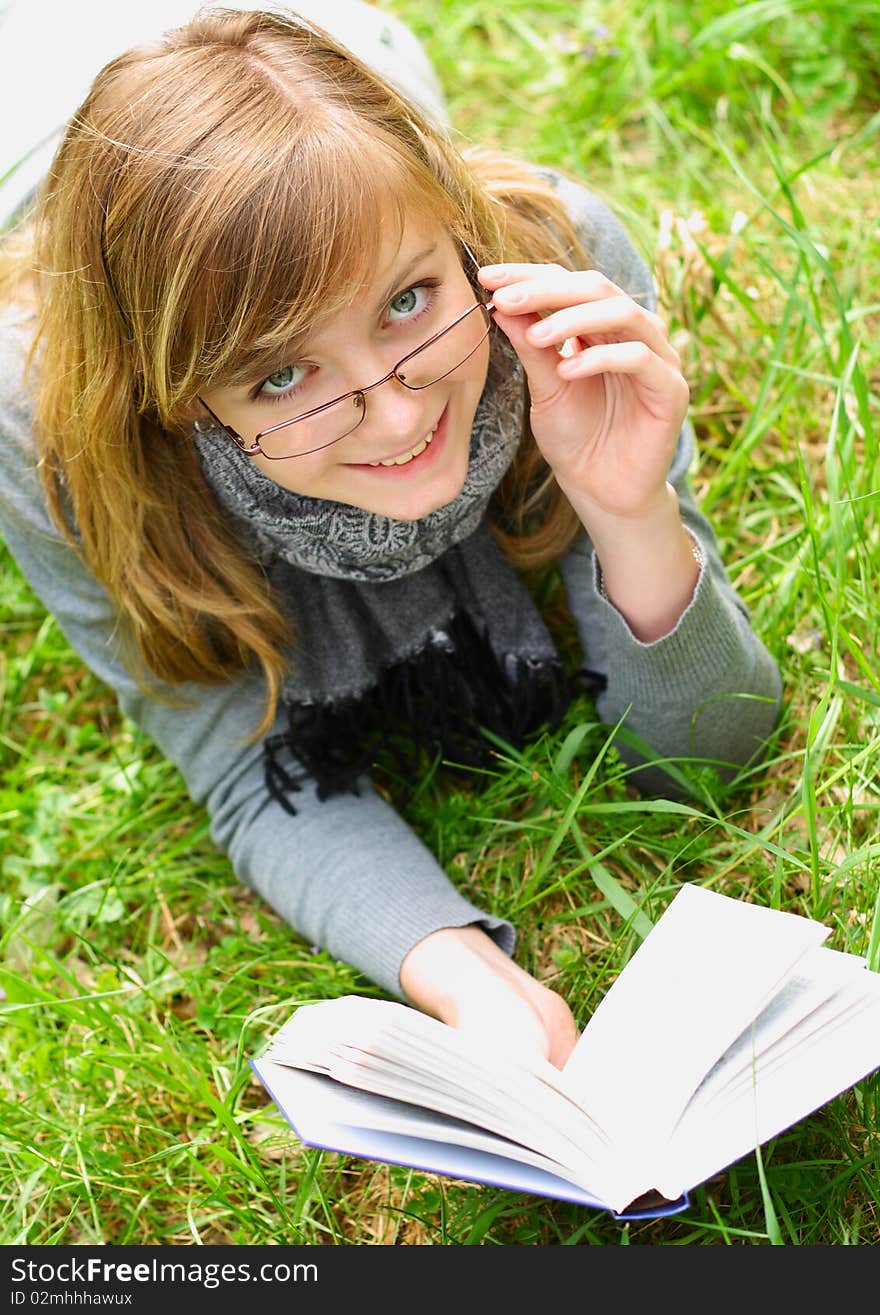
697, 553
656, 517
604, 516
649, 569
446, 964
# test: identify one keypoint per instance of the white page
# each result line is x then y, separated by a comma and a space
510, 1124
843, 1006
782, 1092
327, 1114
800, 1006
514, 1105
480, 1073
400, 1053
693, 985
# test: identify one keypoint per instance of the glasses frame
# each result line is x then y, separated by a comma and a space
253, 449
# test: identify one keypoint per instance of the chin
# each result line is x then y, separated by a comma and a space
401, 502
412, 509
417, 513
415, 505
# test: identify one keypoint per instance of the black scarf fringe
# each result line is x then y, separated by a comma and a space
436, 700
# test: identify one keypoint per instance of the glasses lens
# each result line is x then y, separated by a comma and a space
437, 359
293, 436
297, 437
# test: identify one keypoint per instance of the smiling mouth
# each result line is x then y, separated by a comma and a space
408, 456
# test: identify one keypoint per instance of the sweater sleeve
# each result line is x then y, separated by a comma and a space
347, 873
708, 689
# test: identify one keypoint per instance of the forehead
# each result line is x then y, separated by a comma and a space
402, 242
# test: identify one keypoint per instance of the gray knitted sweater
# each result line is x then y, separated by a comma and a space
347, 872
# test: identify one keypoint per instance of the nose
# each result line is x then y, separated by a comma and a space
394, 413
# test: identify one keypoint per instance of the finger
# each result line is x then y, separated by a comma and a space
498, 276
549, 287
619, 317
631, 358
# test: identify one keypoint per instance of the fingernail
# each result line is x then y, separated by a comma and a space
492, 270
508, 296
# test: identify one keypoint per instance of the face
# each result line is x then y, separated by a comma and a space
423, 436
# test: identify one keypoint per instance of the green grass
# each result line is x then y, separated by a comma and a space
738, 143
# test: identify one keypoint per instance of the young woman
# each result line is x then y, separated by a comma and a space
308, 388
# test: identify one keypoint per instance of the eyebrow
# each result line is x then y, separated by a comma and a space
244, 380
402, 275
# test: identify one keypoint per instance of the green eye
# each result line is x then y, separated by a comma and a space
282, 381
411, 302
406, 302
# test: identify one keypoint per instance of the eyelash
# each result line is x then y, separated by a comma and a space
428, 285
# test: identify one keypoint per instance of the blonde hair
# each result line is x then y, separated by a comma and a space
201, 180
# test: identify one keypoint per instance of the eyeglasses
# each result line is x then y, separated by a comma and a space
322, 426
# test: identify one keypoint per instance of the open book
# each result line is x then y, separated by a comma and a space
730, 1022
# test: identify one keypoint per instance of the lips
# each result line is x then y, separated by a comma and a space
404, 458
421, 452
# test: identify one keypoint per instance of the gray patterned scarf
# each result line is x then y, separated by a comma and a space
409, 635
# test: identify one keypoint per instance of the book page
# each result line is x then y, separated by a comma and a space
692, 987
332, 1116
397, 1052
806, 1000
839, 1046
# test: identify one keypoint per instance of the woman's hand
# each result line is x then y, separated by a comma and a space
607, 413
459, 975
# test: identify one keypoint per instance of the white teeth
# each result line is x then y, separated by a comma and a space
407, 456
